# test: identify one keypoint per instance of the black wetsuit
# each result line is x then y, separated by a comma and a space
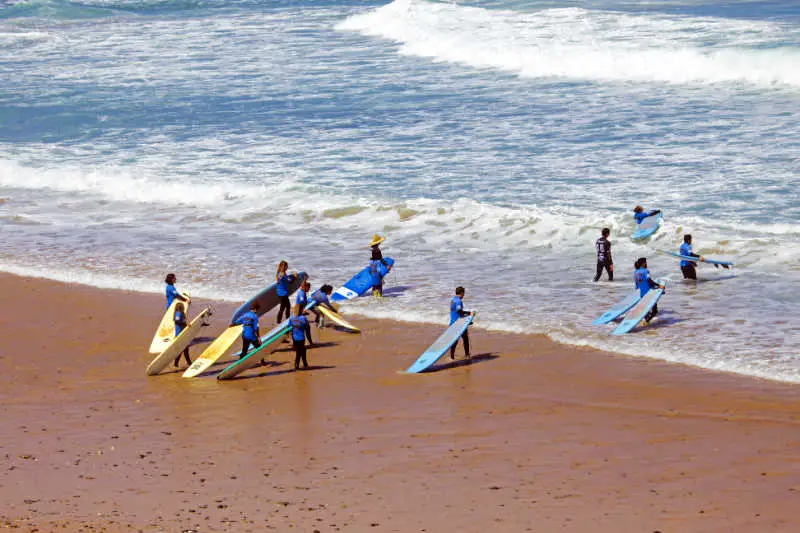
604, 260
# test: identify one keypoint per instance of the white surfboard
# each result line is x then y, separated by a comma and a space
337, 319
166, 328
180, 343
214, 351
639, 311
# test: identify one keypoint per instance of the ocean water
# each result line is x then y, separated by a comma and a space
488, 140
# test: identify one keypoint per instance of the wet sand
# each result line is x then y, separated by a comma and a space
530, 435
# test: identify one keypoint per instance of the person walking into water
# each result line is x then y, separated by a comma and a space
457, 311
604, 261
643, 281
688, 267
249, 323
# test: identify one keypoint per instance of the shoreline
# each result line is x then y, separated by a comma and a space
529, 435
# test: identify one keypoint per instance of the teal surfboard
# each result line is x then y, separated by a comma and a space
618, 310
442, 344
648, 226
725, 264
254, 356
638, 312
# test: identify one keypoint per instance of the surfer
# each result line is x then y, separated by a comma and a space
249, 323
179, 316
283, 279
643, 281
375, 261
300, 330
688, 267
172, 292
457, 311
302, 299
320, 296
603, 246
640, 214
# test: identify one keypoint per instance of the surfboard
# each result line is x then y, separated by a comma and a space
638, 312
361, 283
441, 345
725, 264
268, 297
648, 226
166, 328
179, 344
337, 319
618, 310
254, 356
214, 351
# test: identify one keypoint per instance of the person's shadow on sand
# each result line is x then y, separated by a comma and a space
281, 371
475, 359
315, 345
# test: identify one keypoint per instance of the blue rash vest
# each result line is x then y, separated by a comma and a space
299, 327
686, 249
456, 309
302, 297
321, 298
180, 321
283, 284
643, 215
172, 293
375, 272
249, 322
642, 280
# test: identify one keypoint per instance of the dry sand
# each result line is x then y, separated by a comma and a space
529, 436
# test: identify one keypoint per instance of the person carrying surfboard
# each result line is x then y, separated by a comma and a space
172, 292
320, 296
640, 214
180, 324
603, 246
688, 267
457, 311
283, 279
376, 259
249, 323
300, 330
643, 281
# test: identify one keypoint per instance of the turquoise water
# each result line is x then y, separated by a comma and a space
490, 141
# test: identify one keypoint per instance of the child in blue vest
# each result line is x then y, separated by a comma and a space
457, 311
321, 297
283, 280
643, 281
300, 329
179, 316
640, 214
249, 323
172, 292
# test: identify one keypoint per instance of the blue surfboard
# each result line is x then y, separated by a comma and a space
253, 357
361, 283
442, 344
648, 226
268, 297
725, 264
638, 311
618, 310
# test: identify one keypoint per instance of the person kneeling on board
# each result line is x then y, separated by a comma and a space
300, 330
180, 324
320, 296
457, 311
249, 323
375, 262
643, 281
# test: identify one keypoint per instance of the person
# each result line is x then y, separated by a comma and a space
457, 311
300, 330
283, 279
603, 246
249, 323
172, 292
302, 299
640, 214
179, 316
643, 281
688, 267
376, 260
320, 296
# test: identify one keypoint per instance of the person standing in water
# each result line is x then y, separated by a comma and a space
688, 267
179, 316
172, 292
249, 323
457, 311
283, 279
376, 260
643, 281
300, 330
603, 246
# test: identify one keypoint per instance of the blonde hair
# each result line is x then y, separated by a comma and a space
283, 266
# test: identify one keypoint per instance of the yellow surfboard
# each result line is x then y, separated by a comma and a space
180, 343
337, 319
166, 328
214, 351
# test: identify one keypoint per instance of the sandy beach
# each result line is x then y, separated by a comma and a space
529, 435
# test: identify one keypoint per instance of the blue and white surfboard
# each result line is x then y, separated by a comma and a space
639, 311
618, 310
648, 226
361, 283
442, 344
697, 260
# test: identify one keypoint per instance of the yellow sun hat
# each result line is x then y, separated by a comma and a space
376, 239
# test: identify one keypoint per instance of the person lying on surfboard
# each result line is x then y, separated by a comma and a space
180, 324
457, 311
321, 297
640, 214
375, 260
300, 329
283, 279
172, 292
249, 323
643, 281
